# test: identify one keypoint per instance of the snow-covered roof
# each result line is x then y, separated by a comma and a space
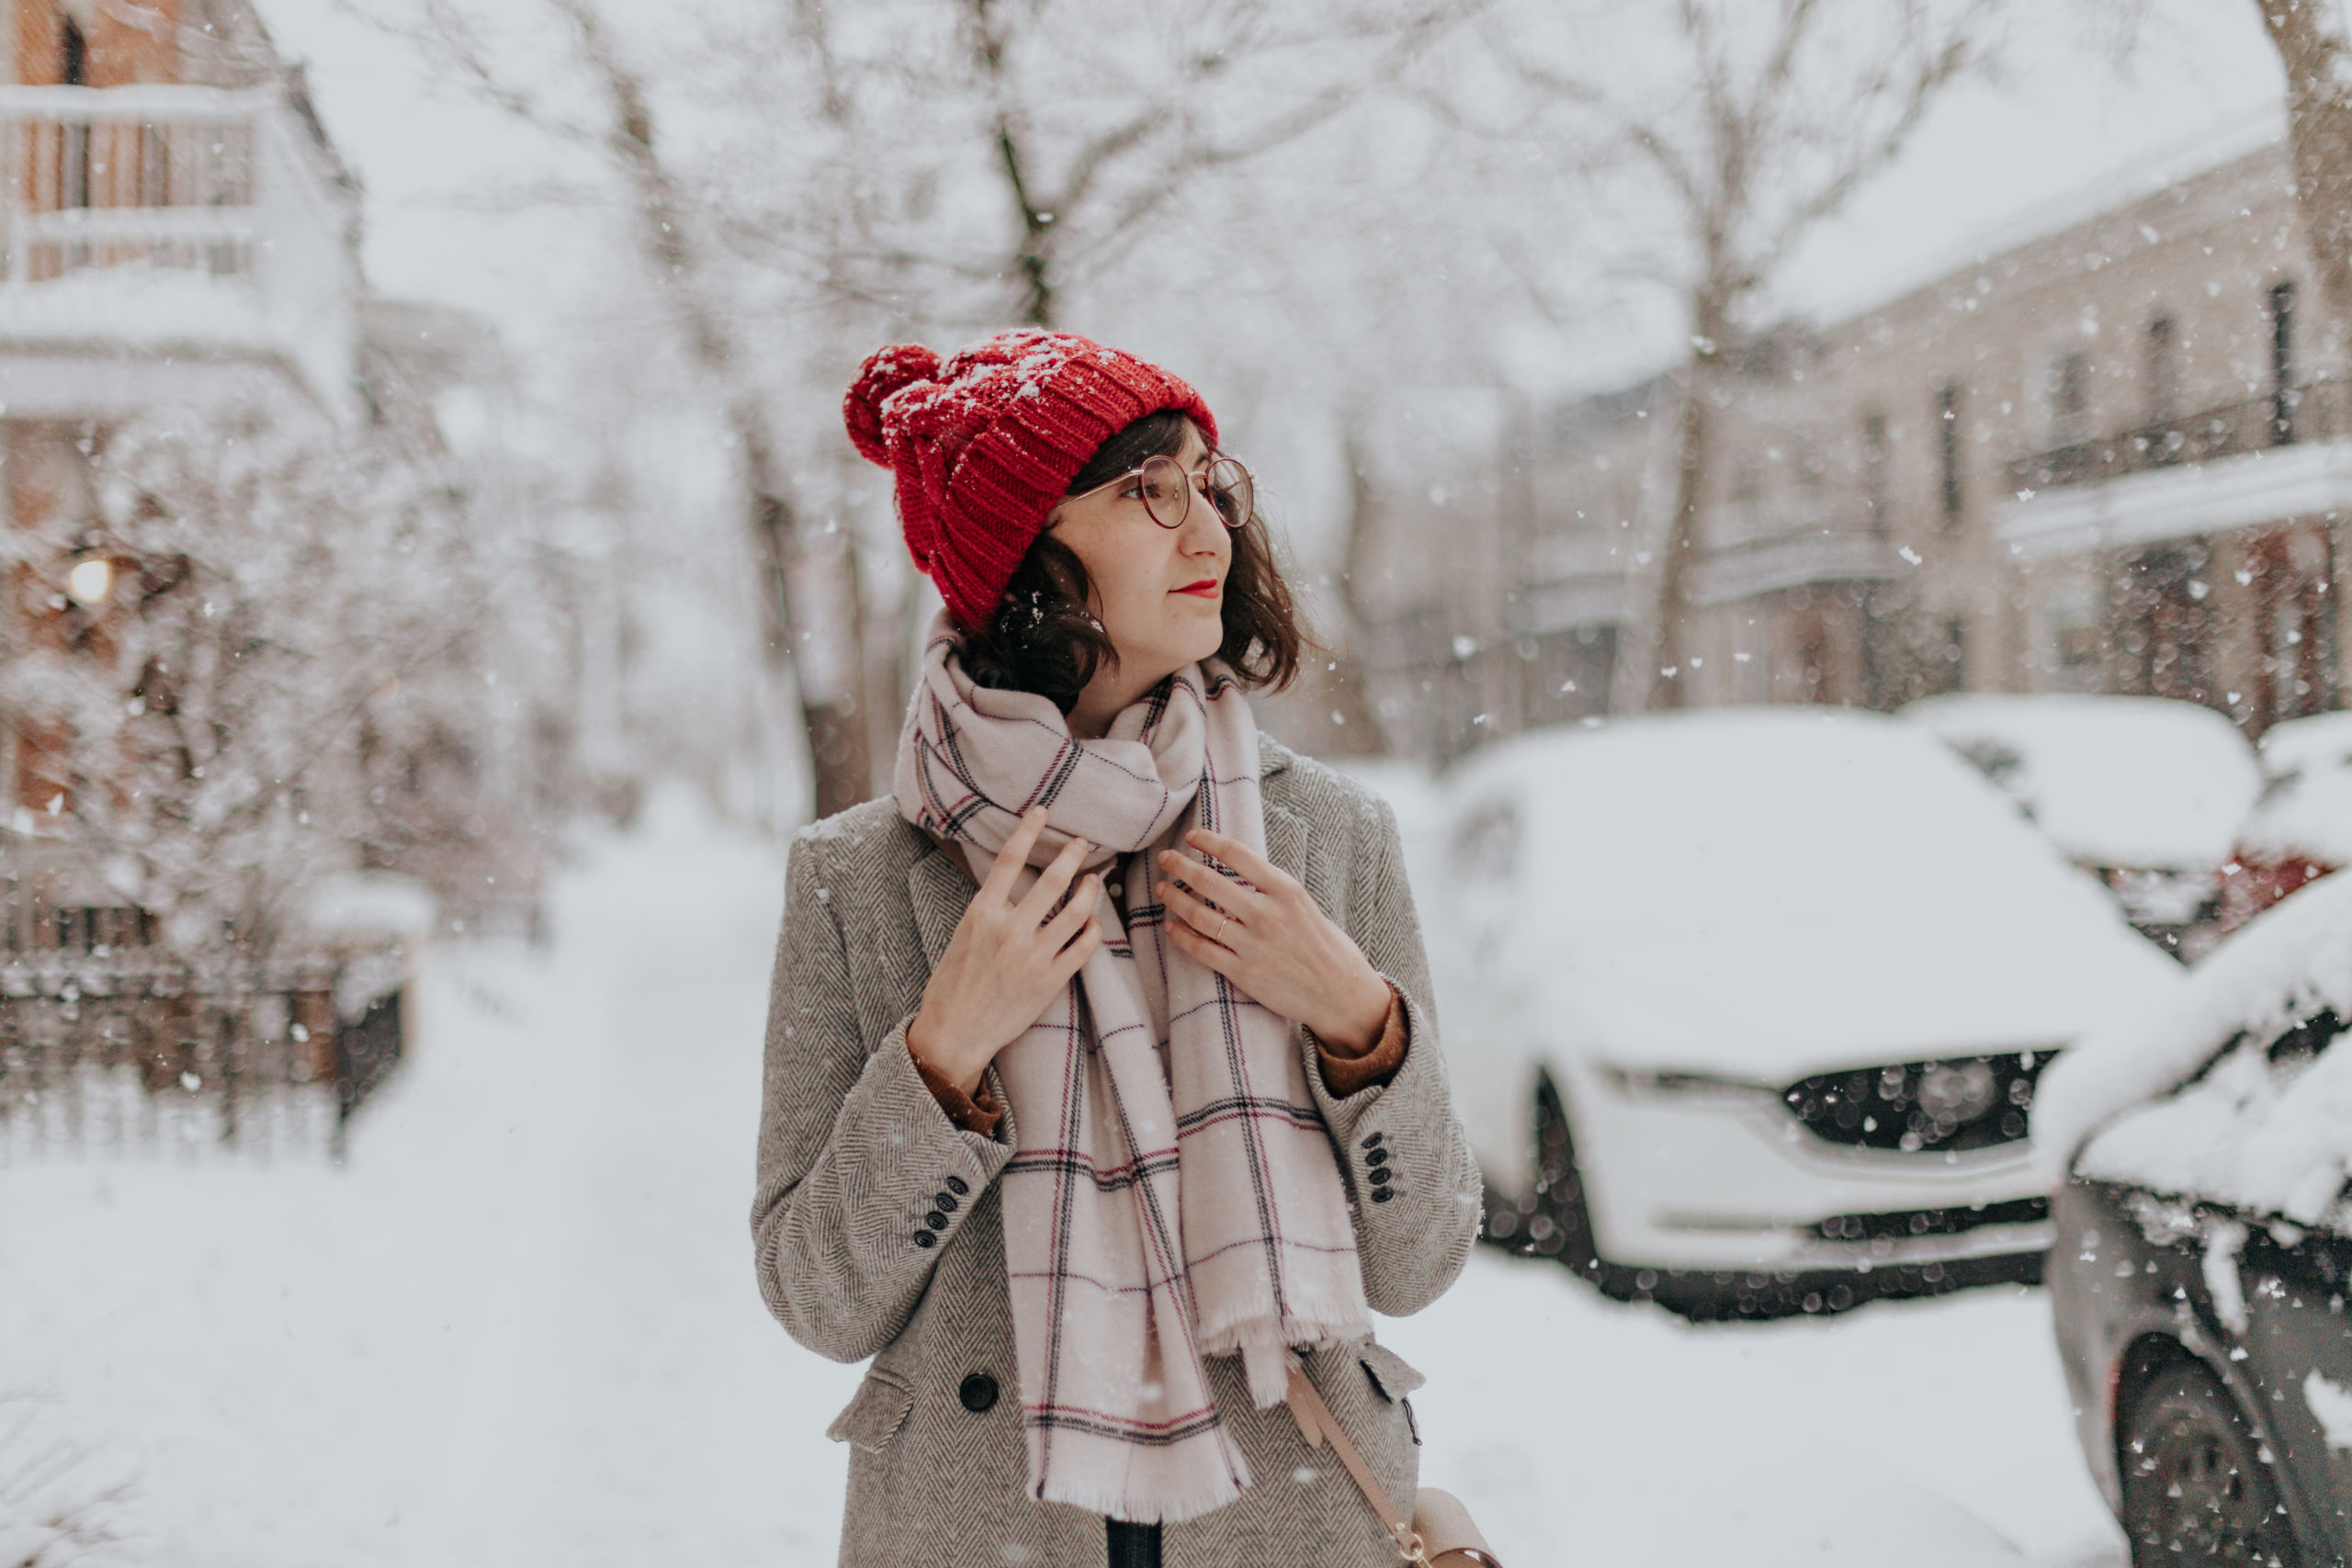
2137, 782
1769, 892
2306, 805
2250, 1133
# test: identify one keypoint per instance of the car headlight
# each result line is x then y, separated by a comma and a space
1647, 1083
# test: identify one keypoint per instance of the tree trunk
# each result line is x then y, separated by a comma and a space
838, 758
1668, 679
2309, 38
1356, 728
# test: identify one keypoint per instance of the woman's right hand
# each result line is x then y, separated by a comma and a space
1006, 961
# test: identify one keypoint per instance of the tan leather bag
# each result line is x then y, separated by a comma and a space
1438, 1535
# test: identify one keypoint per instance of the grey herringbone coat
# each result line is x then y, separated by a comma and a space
859, 1171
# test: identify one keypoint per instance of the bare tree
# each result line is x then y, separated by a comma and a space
1088, 138
2315, 47
1766, 121
669, 226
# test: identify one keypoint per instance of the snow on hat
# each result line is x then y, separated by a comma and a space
984, 445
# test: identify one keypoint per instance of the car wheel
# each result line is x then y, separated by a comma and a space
2195, 1486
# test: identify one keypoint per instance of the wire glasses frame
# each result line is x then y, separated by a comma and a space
1167, 490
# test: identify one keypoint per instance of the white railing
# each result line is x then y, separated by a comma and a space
224, 188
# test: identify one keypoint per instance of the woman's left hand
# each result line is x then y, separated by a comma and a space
1270, 938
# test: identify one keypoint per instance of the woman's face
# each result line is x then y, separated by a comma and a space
1160, 592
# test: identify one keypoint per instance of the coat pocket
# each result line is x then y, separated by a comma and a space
1392, 1375
874, 1413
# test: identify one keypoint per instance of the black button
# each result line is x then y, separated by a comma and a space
1382, 1194
935, 1220
947, 1202
924, 1239
1374, 1142
956, 1184
978, 1392
1377, 1156
1380, 1175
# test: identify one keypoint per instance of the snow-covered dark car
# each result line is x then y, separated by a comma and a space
2144, 793
2203, 1259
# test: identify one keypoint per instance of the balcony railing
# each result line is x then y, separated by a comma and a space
221, 207
1788, 540
2317, 410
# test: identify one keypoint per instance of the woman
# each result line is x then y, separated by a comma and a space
1102, 1085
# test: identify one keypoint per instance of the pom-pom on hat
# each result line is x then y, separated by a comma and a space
984, 444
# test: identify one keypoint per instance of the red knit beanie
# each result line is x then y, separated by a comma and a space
985, 444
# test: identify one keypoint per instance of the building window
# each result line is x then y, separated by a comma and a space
1953, 676
2161, 633
2282, 309
2070, 399
74, 183
2164, 372
1874, 470
1948, 449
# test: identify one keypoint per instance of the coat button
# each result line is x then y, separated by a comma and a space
1377, 1156
1382, 1176
935, 1220
947, 1202
924, 1239
1374, 1142
1382, 1194
958, 1185
978, 1392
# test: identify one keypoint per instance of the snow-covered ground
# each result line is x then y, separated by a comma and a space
520, 1328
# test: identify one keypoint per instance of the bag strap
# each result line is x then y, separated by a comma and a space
1316, 1423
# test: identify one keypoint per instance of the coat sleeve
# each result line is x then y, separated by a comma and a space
1416, 1225
856, 1160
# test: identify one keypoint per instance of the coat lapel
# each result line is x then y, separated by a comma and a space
941, 892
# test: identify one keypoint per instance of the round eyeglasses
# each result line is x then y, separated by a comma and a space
1167, 490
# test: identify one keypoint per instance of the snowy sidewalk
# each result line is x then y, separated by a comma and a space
520, 1327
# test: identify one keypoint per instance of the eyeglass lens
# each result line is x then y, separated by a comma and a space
1166, 492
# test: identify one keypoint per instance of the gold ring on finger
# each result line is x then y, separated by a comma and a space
1221, 920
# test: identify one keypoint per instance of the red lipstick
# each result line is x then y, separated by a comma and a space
1206, 587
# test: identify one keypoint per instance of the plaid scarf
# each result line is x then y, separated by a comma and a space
1172, 1193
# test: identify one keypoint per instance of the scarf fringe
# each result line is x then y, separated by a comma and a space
1265, 1347
1114, 1504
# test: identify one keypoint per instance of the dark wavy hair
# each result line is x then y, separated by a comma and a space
1045, 636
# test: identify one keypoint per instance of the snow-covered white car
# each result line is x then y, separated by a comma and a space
2301, 829
2199, 1151
1754, 1002
2147, 793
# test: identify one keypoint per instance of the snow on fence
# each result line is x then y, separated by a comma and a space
107, 1041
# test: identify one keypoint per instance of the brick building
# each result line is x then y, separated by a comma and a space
176, 230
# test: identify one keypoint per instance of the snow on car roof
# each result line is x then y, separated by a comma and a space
1769, 892
2306, 806
2139, 782
2282, 964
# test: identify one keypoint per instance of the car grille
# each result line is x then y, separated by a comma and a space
1928, 1221
1955, 1104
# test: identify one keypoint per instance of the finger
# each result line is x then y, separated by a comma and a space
1196, 912
1236, 855
1015, 853
1058, 930
1201, 950
1208, 883
1072, 959
1054, 881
